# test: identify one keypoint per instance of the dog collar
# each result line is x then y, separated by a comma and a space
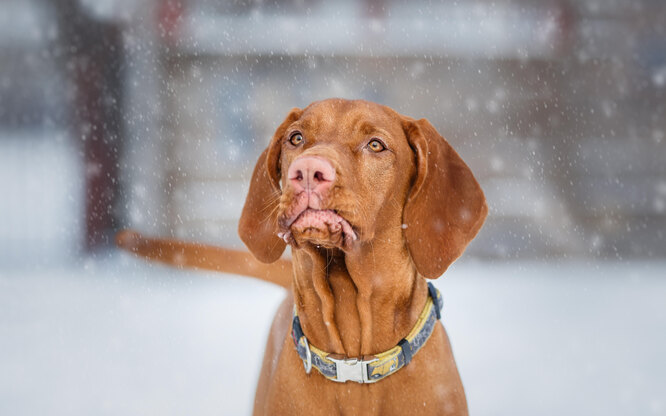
378, 366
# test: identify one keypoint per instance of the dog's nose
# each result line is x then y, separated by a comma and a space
311, 173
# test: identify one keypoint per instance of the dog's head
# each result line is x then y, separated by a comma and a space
339, 173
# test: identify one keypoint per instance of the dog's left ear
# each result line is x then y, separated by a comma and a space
258, 226
445, 207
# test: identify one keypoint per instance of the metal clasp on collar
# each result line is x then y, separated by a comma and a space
307, 363
352, 369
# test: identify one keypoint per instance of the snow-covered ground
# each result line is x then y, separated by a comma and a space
119, 336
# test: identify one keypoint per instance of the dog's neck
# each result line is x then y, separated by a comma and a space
360, 302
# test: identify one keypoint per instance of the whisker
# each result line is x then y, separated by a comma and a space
272, 205
271, 214
274, 197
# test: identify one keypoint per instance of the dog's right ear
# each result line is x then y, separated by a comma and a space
258, 226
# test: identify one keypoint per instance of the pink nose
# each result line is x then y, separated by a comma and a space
311, 173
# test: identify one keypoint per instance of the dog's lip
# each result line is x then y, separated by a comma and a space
309, 210
286, 223
348, 229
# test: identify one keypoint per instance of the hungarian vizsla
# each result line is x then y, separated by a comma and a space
372, 203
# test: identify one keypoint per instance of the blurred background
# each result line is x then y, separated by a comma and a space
150, 115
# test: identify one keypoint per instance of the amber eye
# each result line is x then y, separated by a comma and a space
296, 139
376, 146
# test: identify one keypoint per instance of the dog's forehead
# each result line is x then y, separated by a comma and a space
345, 116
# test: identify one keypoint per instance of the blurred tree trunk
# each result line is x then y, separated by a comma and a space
93, 54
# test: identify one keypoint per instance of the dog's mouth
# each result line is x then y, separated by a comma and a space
320, 227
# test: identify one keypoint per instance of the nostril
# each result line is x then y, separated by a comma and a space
313, 173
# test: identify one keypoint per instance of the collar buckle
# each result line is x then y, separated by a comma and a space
352, 369
307, 363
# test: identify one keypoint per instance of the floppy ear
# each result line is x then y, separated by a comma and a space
258, 223
445, 208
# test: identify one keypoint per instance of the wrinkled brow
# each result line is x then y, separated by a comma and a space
303, 124
367, 128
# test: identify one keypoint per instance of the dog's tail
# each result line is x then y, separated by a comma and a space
199, 256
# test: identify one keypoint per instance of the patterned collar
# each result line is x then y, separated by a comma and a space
379, 366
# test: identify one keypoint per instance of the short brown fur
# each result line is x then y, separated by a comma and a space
414, 207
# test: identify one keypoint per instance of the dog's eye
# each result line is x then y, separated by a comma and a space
376, 146
296, 139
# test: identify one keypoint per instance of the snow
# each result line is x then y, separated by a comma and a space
41, 207
557, 108
117, 335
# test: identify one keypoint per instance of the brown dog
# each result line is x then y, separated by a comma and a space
372, 203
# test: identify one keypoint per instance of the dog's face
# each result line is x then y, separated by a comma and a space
345, 169
340, 172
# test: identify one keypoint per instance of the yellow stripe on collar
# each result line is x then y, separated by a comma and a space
379, 366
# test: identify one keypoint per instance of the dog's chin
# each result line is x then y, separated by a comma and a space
322, 228
318, 238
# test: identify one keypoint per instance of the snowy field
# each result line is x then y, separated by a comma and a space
122, 337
